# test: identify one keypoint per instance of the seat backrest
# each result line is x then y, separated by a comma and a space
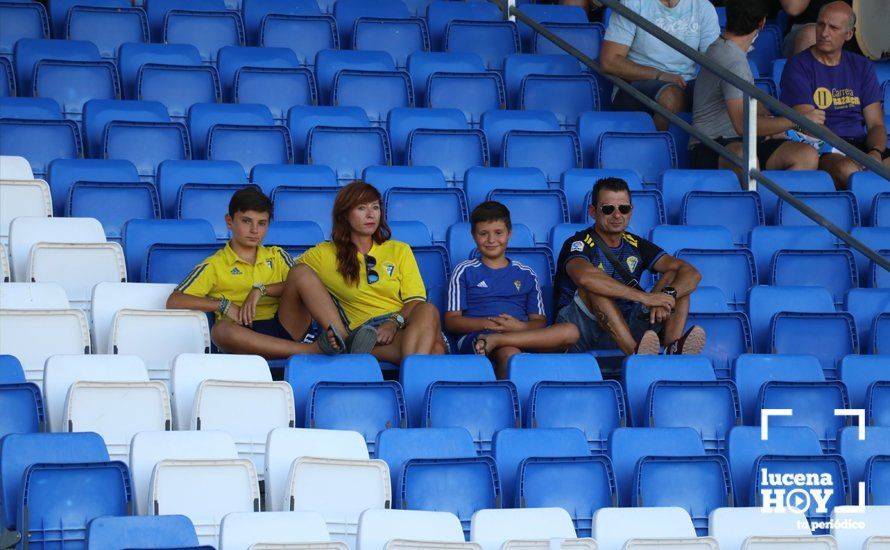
348, 12
593, 124
871, 536
613, 527
108, 27
525, 370
302, 118
254, 13
867, 185
402, 121
584, 36
397, 37
492, 40
491, 528
396, 447
481, 181
11, 370
77, 267
234, 58
839, 207
834, 270
672, 238
276, 88
173, 174
377, 527
640, 372
859, 371
28, 52
419, 371
720, 410
330, 62
552, 152
440, 14
109, 298
731, 526
245, 529
446, 206
420, 177
64, 173
865, 304
209, 31
178, 87
857, 452
22, 20
519, 65
812, 404
16, 168
377, 92
751, 371
202, 117
132, 56
497, 123
41, 142
294, 203
34, 335
306, 35
98, 113
792, 181
139, 235
766, 241
72, 83
24, 408
764, 302
421, 65
250, 145
170, 530
471, 92
674, 184
568, 96
22, 198
452, 151
617, 148
348, 150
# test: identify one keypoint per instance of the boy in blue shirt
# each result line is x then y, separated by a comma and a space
495, 302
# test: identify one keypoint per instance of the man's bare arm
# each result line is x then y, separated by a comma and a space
685, 277
593, 280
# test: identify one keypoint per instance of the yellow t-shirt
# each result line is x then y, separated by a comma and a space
399, 282
224, 274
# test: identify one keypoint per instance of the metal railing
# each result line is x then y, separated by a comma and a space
750, 92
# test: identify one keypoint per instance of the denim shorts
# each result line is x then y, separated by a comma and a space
593, 336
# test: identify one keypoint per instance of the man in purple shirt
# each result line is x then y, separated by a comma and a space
844, 85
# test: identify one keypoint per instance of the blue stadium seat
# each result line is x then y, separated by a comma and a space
746, 447
865, 304
294, 236
302, 372
539, 210
401, 122
306, 35
778, 69
11, 370
40, 141
30, 108
857, 452
729, 334
525, 370
518, 66
28, 52
205, 201
767, 85
364, 407
397, 37
178, 87
877, 479
813, 404
107, 27
233, 60
348, 150
439, 14
838, 206
133, 56
63, 173
766, 241
578, 184
544, 13
648, 211
730, 270
421, 65
877, 404
444, 207
413, 233
567, 96
628, 445
858, 372
20, 20
580, 485
875, 238
496, 124
139, 235
639, 372
18, 452
832, 334
866, 186
552, 152
202, 118
878, 276
59, 11
434, 266
672, 238
330, 62
711, 408
250, 145
833, 270
767, 49
791, 180
881, 210
707, 485
765, 302
313, 204
348, 12
22, 404
880, 334
377, 92
385, 178
173, 174
482, 408
594, 407
675, 184
594, 124
513, 446
480, 182
751, 371
209, 31
585, 37
419, 371
172, 263
461, 245
539, 259
157, 12
7, 78
454, 152
493, 41
710, 299
256, 13
72, 83
270, 176
167, 531
628, 150
113, 204
302, 118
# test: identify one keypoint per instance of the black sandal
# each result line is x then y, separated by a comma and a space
476, 340
325, 345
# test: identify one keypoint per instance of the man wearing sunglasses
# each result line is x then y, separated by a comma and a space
598, 289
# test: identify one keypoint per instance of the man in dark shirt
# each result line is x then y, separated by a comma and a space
610, 310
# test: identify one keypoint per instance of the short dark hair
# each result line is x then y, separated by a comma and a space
608, 184
250, 198
490, 211
744, 16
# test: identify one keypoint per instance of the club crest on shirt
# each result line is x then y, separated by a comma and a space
632, 262
517, 284
269, 263
390, 268
577, 246
236, 271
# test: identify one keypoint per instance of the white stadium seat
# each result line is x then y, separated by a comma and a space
204, 491
15, 168
33, 296
117, 411
492, 528
149, 448
340, 490
5, 275
190, 369
678, 543
78, 268
732, 526
377, 527
284, 445
25, 232
405, 544
158, 336
22, 197
247, 410
333, 545
547, 544
822, 542
109, 298
876, 520
33, 335
877, 543
243, 530
62, 371
613, 527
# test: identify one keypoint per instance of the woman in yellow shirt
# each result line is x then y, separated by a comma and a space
375, 280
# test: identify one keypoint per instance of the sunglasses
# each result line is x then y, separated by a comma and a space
370, 263
608, 209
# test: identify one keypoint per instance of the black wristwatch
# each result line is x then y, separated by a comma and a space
670, 291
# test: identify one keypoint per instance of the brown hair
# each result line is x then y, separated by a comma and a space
350, 196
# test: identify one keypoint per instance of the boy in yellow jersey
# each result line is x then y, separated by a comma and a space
264, 304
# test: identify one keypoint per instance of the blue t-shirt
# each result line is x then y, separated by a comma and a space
480, 291
842, 91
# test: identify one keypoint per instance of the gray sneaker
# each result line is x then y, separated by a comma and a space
361, 340
649, 344
691, 343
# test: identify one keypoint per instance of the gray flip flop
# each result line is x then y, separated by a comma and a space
362, 340
325, 346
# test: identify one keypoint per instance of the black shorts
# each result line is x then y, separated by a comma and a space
703, 157
271, 327
862, 146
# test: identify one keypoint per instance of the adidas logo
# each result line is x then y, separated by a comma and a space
236, 271
482, 284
